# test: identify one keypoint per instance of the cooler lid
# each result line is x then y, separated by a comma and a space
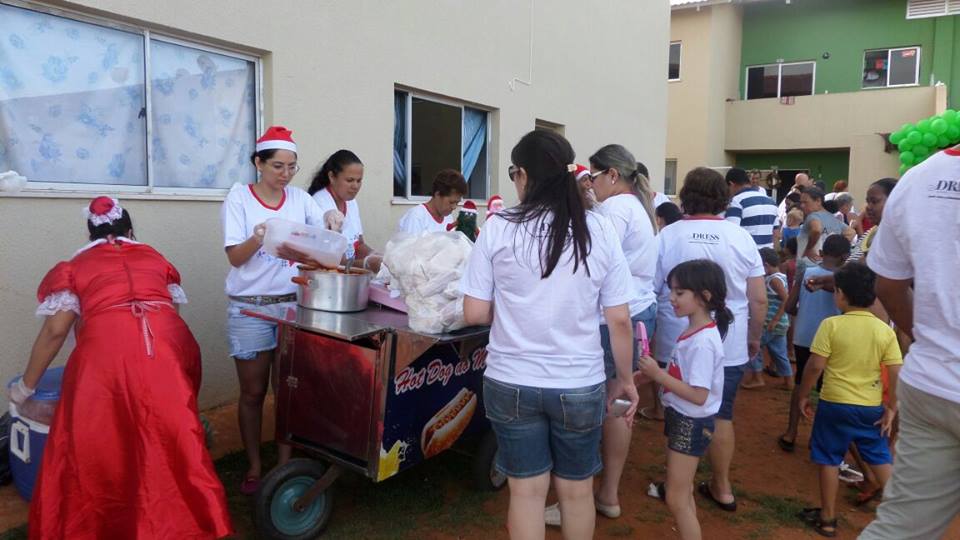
49, 387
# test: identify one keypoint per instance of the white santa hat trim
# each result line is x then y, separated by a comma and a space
276, 138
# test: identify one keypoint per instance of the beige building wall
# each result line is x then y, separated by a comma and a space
709, 63
329, 72
852, 120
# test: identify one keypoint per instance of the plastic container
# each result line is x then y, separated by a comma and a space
29, 428
325, 246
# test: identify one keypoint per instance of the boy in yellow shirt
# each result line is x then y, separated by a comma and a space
849, 350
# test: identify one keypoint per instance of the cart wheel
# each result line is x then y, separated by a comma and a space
486, 477
275, 515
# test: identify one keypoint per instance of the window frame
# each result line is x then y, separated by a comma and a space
679, 63
746, 77
410, 198
147, 35
676, 180
890, 51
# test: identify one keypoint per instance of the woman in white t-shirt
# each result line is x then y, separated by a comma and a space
448, 189
540, 273
704, 234
257, 278
335, 188
623, 194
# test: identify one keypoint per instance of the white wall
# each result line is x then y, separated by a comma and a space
330, 69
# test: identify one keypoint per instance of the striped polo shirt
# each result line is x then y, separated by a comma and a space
756, 213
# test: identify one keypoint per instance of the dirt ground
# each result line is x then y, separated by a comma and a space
433, 500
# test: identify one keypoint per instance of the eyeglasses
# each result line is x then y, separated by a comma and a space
279, 168
595, 175
512, 171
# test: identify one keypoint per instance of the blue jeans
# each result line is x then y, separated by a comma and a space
546, 429
649, 319
247, 335
776, 345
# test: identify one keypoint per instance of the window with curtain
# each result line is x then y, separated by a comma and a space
74, 107
884, 68
430, 135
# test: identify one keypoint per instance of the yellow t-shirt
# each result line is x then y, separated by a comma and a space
855, 344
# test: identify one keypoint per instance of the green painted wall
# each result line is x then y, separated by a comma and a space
806, 29
826, 166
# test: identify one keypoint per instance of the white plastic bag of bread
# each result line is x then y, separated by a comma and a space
426, 268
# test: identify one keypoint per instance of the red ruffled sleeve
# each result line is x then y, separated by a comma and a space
173, 276
59, 278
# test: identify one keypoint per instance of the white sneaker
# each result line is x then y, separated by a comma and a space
551, 515
848, 474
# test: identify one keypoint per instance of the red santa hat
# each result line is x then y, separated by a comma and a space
580, 171
103, 210
276, 138
490, 203
469, 207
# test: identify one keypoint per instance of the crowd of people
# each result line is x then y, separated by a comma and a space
594, 286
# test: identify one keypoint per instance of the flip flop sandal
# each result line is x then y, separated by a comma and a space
821, 526
250, 485
785, 445
866, 496
704, 489
809, 515
770, 372
643, 411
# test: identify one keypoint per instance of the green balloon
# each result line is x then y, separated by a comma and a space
907, 158
929, 139
939, 126
924, 125
920, 152
915, 137
903, 169
904, 146
950, 115
953, 133
896, 137
943, 141
907, 128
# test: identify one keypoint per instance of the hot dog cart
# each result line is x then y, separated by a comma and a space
364, 393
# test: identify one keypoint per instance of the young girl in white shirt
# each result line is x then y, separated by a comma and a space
692, 383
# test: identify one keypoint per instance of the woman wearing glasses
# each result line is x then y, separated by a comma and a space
539, 274
257, 278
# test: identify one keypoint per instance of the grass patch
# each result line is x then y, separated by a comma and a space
19, 533
620, 530
773, 511
434, 494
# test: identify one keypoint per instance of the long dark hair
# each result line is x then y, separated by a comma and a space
701, 275
615, 156
337, 161
120, 227
551, 191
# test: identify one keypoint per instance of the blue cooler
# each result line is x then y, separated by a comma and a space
28, 435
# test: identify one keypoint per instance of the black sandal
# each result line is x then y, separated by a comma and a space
704, 489
811, 516
821, 527
785, 445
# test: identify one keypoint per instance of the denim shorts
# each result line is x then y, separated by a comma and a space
546, 429
247, 335
690, 436
731, 381
776, 345
649, 319
836, 425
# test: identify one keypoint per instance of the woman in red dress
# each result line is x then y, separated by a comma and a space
125, 457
